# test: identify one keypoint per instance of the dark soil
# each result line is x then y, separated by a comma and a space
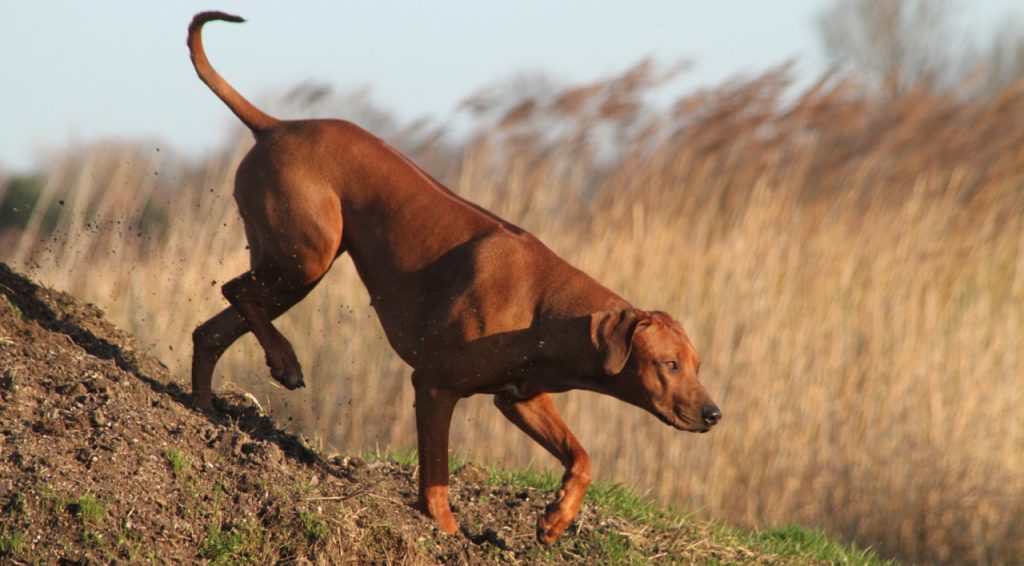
103, 461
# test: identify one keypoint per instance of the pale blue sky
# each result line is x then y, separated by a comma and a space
78, 71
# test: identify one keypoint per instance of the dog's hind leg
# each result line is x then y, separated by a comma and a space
272, 287
212, 338
287, 265
538, 418
209, 341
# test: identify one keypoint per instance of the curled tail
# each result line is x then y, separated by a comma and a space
254, 118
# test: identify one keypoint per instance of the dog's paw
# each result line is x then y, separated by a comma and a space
291, 380
286, 371
559, 515
552, 524
202, 401
441, 513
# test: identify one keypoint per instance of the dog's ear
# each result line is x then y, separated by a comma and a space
612, 335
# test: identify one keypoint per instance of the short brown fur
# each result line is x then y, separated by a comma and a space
473, 303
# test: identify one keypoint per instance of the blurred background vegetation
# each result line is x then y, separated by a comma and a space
846, 253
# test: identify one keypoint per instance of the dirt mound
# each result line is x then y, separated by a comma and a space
102, 461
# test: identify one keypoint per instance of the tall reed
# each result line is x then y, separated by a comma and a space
850, 267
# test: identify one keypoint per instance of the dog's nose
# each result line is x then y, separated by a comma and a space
711, 414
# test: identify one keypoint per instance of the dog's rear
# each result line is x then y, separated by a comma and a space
294, 236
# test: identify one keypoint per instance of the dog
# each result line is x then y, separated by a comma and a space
473, 303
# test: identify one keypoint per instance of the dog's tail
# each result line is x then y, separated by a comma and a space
253, 117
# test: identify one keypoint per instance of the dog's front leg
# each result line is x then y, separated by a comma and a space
538, 417
434, 407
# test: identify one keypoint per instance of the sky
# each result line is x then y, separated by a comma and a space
75, 71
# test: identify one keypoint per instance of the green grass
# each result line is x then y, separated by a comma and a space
237, 544
813, 544
243, 543
402, 456
15, 505
618, 500
537, 479
409, 457
128, 541
178, 461
222, 547
12, 542
598, 548
789, 544
58, 503
181, 469
794, 544
315, 527
88, 508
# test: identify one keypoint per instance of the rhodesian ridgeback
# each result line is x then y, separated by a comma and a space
473, 303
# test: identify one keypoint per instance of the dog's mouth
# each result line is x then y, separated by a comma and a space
680, 421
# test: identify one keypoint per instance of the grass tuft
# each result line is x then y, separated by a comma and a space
220, 546
315, 528
178, 461
12, 542
544, 480
814, 545
88, 508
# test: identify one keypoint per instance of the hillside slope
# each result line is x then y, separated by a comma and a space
102, 461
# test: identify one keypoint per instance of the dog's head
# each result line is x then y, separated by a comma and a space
647, 360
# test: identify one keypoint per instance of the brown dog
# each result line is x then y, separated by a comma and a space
471, 302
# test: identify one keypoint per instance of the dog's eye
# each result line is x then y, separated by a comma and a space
672, 365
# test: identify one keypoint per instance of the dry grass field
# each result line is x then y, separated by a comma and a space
850, 267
